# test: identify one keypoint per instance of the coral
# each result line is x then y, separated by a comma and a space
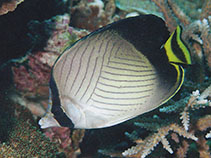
185, 118
167, 13
183, 18
178, 12
51, 35
33, 79
199, 33
92, 14
25, 139
9, 6
77, 136
182, 151
28, 141
143, 7
8, 151
147, 145
68, 143
208, 135
37, 108
204, 123
31, 73
196, 101
159, 129
59, 135
196, 24
203, 148
206, 10
187, 114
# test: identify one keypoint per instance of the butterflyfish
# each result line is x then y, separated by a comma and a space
116, 73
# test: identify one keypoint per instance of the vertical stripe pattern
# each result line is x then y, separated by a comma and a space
175, 48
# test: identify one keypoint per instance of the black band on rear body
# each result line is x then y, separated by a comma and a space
59, 114
176, 48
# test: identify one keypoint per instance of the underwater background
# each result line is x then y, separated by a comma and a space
33, 33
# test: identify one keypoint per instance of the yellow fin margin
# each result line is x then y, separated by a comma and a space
180, 80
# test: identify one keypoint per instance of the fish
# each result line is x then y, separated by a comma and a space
116, 73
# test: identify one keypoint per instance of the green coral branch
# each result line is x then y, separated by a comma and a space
26, 140
176, 106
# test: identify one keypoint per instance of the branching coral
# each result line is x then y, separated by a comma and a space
167, 13
206, 9
203, 124
175, 12
183, 149
145, 147
203, 148
208, 135
196, 101
193, 16
166, 129
199, 33
196, 28
185, 116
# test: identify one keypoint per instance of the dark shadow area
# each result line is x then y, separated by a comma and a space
14, 30
19, 31
111, 138
6, 116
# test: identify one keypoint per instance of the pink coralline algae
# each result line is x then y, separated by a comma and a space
60, 136
34, 78
31, 74
67, 140
92, 14
61, 36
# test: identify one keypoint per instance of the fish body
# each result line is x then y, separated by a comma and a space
116, 73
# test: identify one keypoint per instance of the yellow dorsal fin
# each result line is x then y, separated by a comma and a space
175, 48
